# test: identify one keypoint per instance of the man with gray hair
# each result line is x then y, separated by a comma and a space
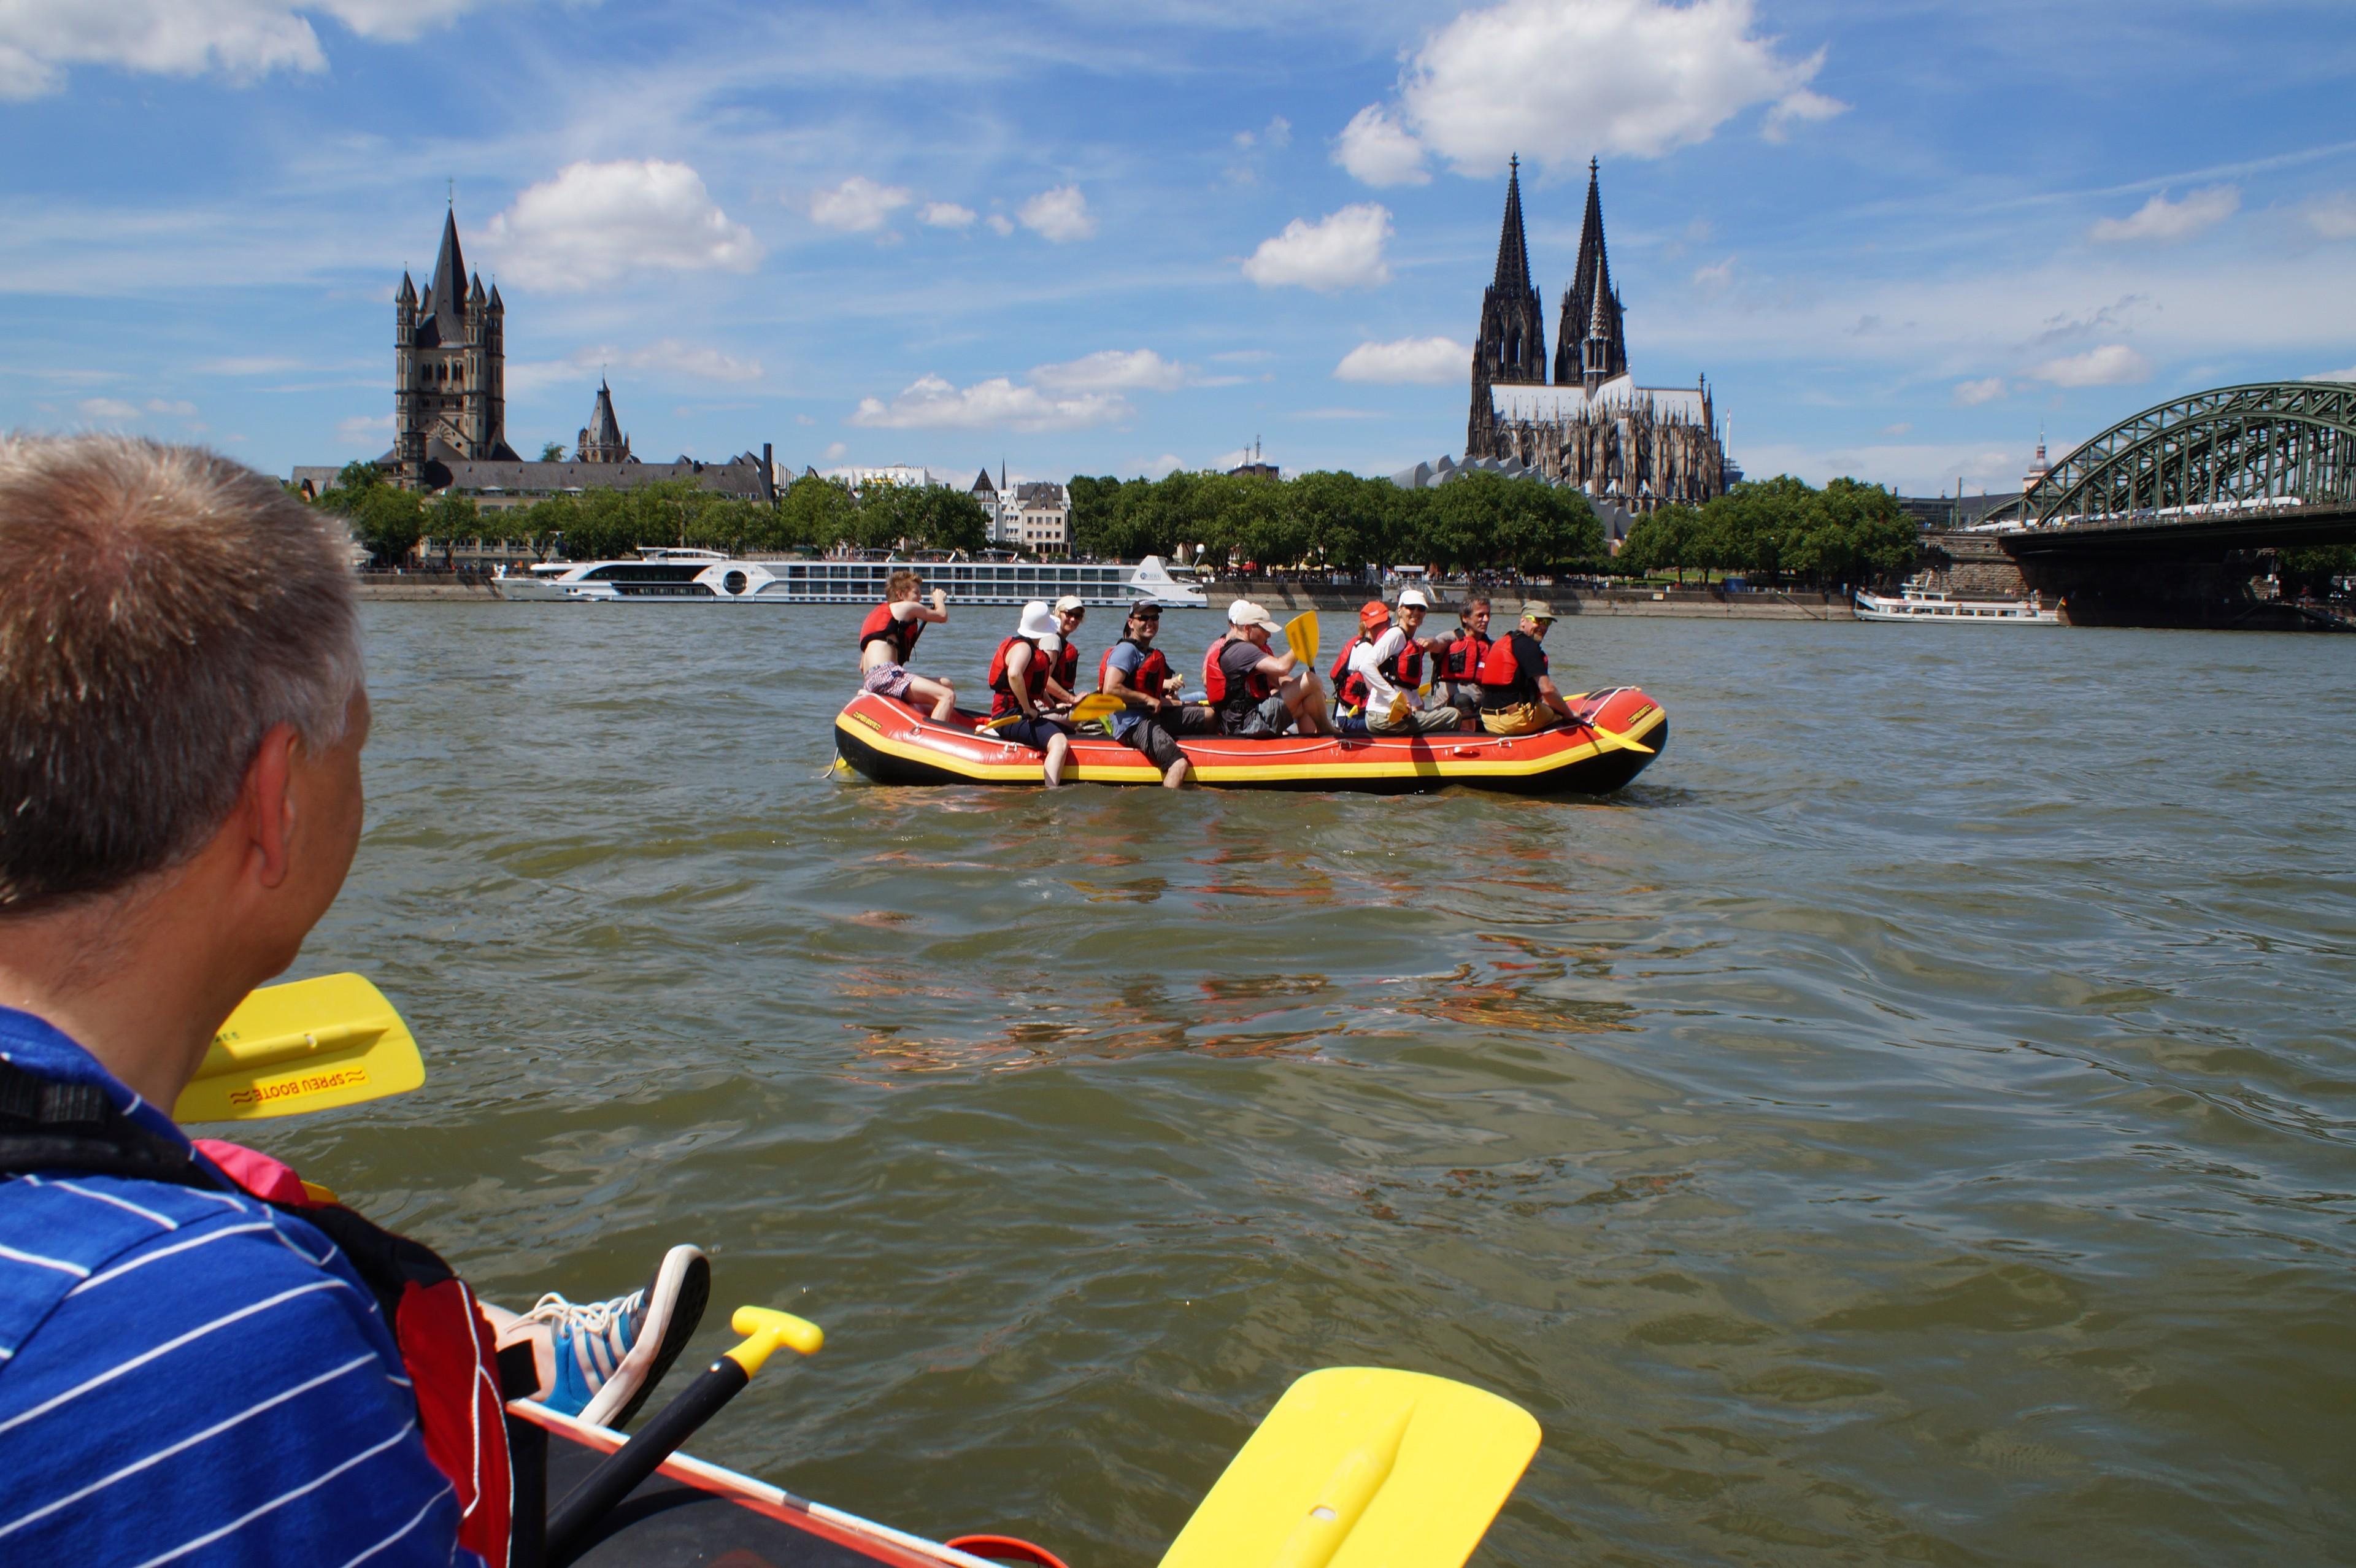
197, 1353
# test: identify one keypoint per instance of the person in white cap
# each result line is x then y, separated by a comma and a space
1019, 673
1063, 680
1257, 692
1393, 666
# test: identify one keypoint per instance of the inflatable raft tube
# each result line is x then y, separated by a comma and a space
691, 1514
893, 743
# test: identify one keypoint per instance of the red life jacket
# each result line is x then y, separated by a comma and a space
447, 1347
1349, 686
1404, 668
1152, 671
1460, 658
1067, 666
1001, 693
1504, 681
1255, 689
901, 634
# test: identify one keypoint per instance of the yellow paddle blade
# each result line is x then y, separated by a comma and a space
1613, 739
1096, 705
311, 1045
1363, 1468
1300, 635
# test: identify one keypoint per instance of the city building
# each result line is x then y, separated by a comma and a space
602, 440
449, 368
1036, 517
1628, 447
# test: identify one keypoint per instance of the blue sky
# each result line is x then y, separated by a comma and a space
1897, 237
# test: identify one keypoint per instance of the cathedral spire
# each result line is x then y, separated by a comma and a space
447, 292
1513, 243
1590, 348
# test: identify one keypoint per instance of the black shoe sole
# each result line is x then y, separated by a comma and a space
694, 1294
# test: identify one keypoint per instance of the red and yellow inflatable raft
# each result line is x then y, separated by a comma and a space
893, 743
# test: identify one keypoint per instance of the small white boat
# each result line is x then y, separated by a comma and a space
1919, 601
662, 575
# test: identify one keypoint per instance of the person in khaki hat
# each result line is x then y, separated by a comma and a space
1518, 695
1259, 693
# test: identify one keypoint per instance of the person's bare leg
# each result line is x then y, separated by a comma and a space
1059, 748
940, 693
1179, 773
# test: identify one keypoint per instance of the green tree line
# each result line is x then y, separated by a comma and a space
1782, 528
813, 515
1333, 521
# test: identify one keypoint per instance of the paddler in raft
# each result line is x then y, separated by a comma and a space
1456, 677
1152, 716
1257, 693
1064, 678
1518, 695
887, 640
202, 1356
1388, 661
1019, 674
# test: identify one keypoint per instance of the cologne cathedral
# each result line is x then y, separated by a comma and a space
1636, 447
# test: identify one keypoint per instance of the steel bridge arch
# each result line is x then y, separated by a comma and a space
2270, 446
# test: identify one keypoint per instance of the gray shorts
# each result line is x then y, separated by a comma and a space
1271, 717
1417, 721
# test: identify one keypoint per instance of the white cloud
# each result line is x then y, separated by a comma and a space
1059, 216
1559, 80
1715, 279
2165, 223
179, 407
2112, 365
109, 409
946, 215
363, 430
932, 403
2347, 374
1162, 467
858, 206
1114, 370
1379, 152
1000, 224
1341, 250
595, 222
2333, 217
834, 450
242, 40
669, 355
1971, 394
1417, 361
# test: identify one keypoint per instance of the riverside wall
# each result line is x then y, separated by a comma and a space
433, 586
1682, 604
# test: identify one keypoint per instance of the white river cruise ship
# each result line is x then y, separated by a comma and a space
664, 576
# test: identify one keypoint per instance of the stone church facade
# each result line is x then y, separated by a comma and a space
1635, 447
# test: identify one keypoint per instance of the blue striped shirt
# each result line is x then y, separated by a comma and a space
193, 1377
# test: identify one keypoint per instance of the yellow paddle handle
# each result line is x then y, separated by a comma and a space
766, 1329
245, 1055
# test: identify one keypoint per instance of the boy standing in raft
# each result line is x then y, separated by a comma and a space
1258, 693
200, 1359
1457, 681
887, 640
1518, 695
1391, 666
1019, 674
1134, 670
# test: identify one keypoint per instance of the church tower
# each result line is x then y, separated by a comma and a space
1590, 348
1510, 349
449, 356
602, 440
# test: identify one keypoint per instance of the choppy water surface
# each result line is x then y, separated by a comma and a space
1912, 1124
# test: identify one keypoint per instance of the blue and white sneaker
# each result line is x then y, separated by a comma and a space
610, 1355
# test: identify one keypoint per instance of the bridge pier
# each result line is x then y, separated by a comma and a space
2112, 589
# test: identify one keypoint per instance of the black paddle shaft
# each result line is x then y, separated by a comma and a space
618, 1477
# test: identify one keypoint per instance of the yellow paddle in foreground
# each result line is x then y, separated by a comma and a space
1094, 706
1613, 739
310, 1045
1363, 1468
1301, 636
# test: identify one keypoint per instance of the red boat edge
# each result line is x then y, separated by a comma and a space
893, 743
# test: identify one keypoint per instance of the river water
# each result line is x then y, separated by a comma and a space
1913, 1123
